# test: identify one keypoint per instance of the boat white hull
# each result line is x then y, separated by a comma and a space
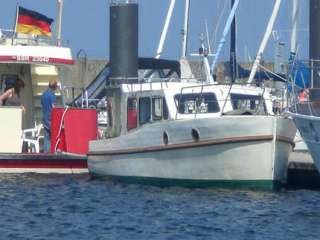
238, 155
309, 128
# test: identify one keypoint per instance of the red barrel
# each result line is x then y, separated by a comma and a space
72, 129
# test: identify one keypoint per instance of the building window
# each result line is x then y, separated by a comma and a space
192, 103
144, 110
131, 113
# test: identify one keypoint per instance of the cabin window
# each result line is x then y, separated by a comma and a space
157, 108
131, 113
144, 110
248, 102
192, 103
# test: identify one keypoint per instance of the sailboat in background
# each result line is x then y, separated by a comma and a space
306, 111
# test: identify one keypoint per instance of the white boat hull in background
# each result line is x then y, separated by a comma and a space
309, 128
231, 150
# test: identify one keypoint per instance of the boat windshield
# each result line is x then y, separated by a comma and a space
248, 102
196, 103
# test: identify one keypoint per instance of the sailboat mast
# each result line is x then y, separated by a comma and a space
314, 39
295, 14
233, 59
165, 29
185, 28
224, 35
264, 40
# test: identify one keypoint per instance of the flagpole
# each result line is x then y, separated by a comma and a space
15, 22
59, 21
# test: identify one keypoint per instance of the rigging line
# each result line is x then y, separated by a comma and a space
265, 39
273, 73
215, 32
207, 35
224, 34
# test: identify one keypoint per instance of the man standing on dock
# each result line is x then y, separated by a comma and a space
48, 100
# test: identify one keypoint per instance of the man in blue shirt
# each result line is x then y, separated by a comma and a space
48, 100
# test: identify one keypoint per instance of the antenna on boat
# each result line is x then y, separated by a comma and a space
59, 21
165, 29
264, 40
185, 28
295, 15
207, 35
204, 52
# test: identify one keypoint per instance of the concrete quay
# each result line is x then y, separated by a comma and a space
302, 173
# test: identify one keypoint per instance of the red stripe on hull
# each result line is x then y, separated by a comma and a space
42, 161
44, 164
30, 59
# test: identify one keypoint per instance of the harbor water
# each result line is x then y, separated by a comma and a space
78, 207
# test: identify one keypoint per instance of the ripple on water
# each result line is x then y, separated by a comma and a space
76, 207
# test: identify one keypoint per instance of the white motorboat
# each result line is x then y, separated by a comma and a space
177, 133
189, 132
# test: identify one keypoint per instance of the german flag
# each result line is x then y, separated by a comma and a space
32, 22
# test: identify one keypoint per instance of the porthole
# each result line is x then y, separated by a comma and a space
165, 138
195, 135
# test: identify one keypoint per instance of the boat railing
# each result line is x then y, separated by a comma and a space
8, 36
277, 104
300, 102
70, 92
301, 78
304, 106
195, 83
197, 108
151, 81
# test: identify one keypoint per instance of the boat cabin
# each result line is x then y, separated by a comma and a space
147, 103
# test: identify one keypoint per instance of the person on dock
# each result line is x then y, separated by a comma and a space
11, 95
48, 101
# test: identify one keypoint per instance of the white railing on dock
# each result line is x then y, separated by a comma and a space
28, 39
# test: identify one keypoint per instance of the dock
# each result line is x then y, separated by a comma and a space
302, 173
